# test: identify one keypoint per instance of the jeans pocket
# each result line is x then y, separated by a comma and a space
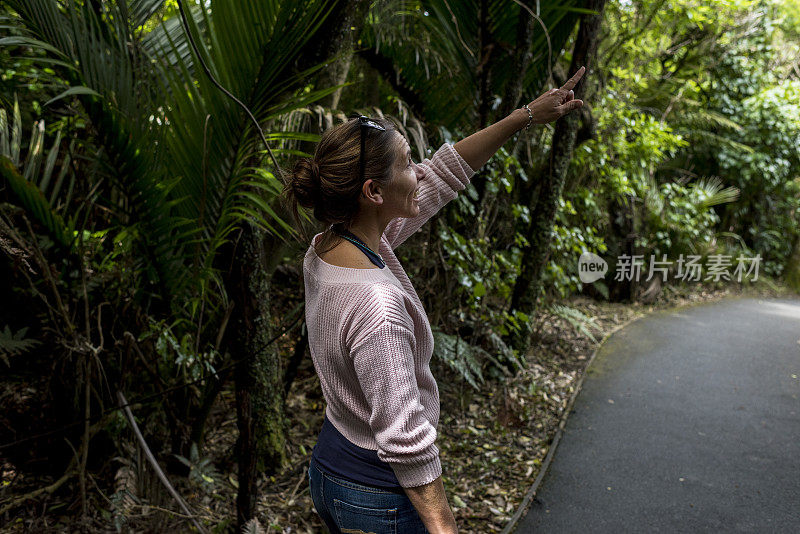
355, 519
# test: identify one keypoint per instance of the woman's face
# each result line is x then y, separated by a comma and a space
399, 198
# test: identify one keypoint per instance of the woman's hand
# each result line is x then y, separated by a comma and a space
479, 147
556, 103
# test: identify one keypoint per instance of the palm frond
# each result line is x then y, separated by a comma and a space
433, 46
31, 181
205, 122
156, 43
141, 11
712, 193
653, 199
120, 115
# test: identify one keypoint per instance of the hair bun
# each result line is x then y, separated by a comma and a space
306, 182
314, 168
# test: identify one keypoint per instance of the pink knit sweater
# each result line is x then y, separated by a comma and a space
371, 341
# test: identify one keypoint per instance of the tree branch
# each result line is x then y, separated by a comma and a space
152, 459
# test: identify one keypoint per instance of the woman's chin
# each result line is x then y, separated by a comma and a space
411, 209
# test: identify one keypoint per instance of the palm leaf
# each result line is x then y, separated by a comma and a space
120, 116
29, 185
433, 45
32, 198
712, 192
253, 46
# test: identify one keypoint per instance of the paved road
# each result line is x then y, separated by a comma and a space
688, 421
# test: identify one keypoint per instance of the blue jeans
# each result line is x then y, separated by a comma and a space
347, 507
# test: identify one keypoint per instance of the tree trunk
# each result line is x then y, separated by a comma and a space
343, 25
521, 56
385, 67
792, 269
338, 38
258, 372
528, 286
484, 69
623, 229
339, 71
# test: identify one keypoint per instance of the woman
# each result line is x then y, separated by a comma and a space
375, 467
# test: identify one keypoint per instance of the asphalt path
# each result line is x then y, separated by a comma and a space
688, 421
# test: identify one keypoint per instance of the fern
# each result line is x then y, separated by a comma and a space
602, 288
12, 344
579, 320
253, 527
460, 356
507, 356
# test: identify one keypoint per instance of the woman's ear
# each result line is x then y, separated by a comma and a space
372, 192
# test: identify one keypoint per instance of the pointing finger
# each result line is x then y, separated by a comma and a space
572, 82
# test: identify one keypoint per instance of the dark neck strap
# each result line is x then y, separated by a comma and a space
373, 257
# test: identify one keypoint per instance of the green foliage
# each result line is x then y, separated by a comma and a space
683, 223
630, 145
482, 264
476, 268
582, 323
631, 150
31, 179
15, 343
460, 356
434, 48
568, 241
764, 155
202, 472
184, 206
253, 527
180, 355
702, 153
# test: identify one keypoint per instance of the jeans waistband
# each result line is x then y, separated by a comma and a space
351, 484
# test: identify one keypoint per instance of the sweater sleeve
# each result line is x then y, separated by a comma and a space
446, 173
384, 365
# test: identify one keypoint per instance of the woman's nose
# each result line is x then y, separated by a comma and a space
419, 171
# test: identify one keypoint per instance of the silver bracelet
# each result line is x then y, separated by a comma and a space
530, 116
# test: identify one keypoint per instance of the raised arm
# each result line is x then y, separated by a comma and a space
449, 170
555, 103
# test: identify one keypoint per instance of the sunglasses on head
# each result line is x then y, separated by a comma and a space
364, 123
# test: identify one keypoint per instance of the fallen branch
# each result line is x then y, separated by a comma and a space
69, 473
35, 493
152, 459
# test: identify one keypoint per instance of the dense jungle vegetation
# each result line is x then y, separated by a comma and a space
152, 278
